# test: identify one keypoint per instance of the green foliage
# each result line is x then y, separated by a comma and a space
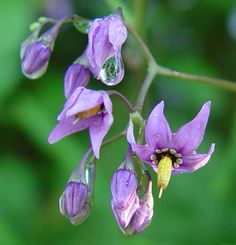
196, 209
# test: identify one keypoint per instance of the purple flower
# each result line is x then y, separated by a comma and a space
76, 76
73, 202
124, 201
105, 39
35, 60
85, 109
172, 153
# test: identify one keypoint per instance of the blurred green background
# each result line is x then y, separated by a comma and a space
187, 35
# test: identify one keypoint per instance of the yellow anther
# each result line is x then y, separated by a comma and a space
91, 112
164, 173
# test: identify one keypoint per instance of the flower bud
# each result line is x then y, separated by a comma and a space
124, 201
76, 76
76, 200
73, 202
36, 50
35, 60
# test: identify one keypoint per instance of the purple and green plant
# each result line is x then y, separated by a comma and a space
166, 152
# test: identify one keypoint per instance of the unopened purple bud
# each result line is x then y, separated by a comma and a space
124, 198
35, 60
73, 202
76, 76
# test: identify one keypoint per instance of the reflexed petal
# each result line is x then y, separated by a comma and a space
70, 102
157, 132
130, 133
107, 103
98, 127
117, 31
192, 162
86, 100
66, 127
189, 136
143, 152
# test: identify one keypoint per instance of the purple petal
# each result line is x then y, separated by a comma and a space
66, 127
123, 187
124, 216
192, 162
117, 31
70, 102
157, 131
86, 100
74, 198
98, 127
99, 47
76, 76
141, 219
189, 136
143, 152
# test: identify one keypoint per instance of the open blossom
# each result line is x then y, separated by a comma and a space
105, 39
172, 153
85, 109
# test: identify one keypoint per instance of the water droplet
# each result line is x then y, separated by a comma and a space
110, 69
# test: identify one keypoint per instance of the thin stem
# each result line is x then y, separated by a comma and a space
109, 141
221, 83
122, 98
145, 87
225, 84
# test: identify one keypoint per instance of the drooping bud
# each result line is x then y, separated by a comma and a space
124, 201
36, 51
77, 75
143, 216
73, 202
35, 61
76, 201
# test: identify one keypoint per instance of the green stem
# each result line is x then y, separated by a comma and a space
145, 86
221, 83
155, 68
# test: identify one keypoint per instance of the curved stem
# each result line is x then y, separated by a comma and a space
123, 99
145, 87
221, 83
225, 84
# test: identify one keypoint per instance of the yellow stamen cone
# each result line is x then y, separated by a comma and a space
164, 173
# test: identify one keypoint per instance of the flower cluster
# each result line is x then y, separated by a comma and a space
166, 152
